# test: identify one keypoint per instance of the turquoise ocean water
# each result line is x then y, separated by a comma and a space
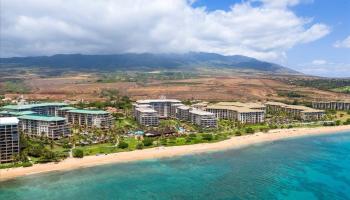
304, 168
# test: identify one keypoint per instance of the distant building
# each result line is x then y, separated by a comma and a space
201, 105
63, 112
146, 116
9, 139
90, 118
173, 109
47, 126
332, 105
302, 112
250, 113
39, 108
202, 118
162, 106
183, 113
5, 113
148, 112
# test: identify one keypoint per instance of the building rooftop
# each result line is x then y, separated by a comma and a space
67, 108
30, 106
200, 112
142, 106
234, 108
41, 118
275, 103
346, 101
295, 107
146, 110
27, 112
158, 100
86, 111
8, 120
184, 107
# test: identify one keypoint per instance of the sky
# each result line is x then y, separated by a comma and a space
311, 36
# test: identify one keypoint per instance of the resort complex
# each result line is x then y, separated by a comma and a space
332, 105
204, 114
9, 139
148, 112
48, 125
301, 112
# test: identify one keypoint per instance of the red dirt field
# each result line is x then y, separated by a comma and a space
215, 88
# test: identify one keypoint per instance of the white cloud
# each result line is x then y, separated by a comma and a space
319, 62
39, 27
321, 67
343, 44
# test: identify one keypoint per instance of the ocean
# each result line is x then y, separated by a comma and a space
309, 168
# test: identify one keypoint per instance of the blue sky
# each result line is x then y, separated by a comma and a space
311, 36
319, 57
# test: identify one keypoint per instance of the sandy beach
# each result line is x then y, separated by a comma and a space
163, 152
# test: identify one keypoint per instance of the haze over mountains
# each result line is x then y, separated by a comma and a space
147, 61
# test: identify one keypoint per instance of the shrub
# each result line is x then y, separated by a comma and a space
78, 153
273, 126
67, 145
207, 137
139, 145
238, 133
48, 156
163, 141
249, 130
338, 122
290, 126
27, 164
35, 151
347, 122
147, 142
123, 145
197, 140
188, 140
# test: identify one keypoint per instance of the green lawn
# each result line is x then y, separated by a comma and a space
345, 89
107, 148
126, 123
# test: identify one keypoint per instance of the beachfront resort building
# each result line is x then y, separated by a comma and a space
146, 116
202, 118
332, 105
162, 106
9, 139
183, 113
51, 127
89, 118
250, 113
297, 111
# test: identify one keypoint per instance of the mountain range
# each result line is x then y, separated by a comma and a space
147, 61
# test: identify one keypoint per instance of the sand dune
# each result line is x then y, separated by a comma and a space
163, 152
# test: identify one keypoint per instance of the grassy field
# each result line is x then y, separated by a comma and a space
345, 89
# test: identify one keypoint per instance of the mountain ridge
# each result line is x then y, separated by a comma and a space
148, 61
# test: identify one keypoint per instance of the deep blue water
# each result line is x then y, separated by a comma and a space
304, 168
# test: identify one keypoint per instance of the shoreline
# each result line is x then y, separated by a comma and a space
166, 152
